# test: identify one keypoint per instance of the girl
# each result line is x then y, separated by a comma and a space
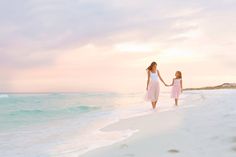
153, 87
177, 87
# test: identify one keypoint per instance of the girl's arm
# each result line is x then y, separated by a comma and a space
161, 78
172, 83
181, 84
148, 80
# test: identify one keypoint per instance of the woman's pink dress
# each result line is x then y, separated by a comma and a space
176, 89
153, 88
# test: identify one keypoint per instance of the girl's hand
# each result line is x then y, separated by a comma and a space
146, 88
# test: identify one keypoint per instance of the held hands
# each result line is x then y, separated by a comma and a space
166, 85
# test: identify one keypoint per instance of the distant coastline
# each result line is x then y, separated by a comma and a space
222, 86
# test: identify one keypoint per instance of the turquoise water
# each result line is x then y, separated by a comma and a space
20, 110
69, 124
66, 124
42, 123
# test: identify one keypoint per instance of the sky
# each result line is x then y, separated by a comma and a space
106, 45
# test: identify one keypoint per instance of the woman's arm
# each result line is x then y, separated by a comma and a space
148, 80
172, 83
181, 84
161, 78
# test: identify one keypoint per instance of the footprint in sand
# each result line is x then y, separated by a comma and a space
234, 149
174, 151
123, 146
233, 140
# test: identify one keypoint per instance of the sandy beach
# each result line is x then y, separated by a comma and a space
200, 127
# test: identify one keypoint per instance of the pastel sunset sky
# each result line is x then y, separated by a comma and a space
106, 45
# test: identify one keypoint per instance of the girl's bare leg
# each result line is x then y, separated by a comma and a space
176, 102
154, 104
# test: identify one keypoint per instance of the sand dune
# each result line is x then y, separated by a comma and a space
222, 86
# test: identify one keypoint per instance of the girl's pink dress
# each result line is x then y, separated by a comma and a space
153, 88
176, 89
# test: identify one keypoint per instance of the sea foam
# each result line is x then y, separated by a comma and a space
4, 96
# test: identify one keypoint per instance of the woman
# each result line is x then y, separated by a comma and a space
153, 86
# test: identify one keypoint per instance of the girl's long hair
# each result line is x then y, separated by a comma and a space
150, 66
180, 74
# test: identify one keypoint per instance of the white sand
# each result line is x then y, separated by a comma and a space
208, 129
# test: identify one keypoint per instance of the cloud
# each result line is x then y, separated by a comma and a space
34, 27
57, 36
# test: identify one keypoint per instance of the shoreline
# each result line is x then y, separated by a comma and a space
108, 128
178, 123
121, 125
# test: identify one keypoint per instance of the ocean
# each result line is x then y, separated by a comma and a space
68, 124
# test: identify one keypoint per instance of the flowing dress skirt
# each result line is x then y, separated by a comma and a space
176, 91
153, 91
